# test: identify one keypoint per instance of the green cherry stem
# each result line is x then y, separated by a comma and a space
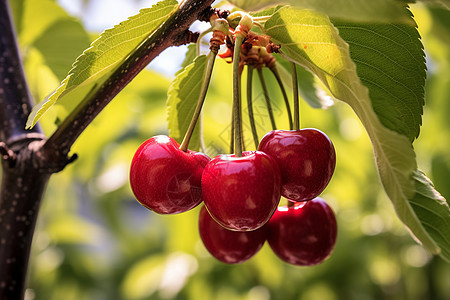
201, 99
260, 19
202, 139
283, 91
237, 96
232, 131
267, 98
295, 96
200, 38
251, 116
242, 136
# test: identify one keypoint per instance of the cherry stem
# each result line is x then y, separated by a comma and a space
267, 98
295, 96
237, 119
201, 99
251, 116
232, 131
260, 19
202, 140
283, 91
242, 138
200, 38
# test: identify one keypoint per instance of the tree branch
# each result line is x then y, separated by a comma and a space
15, 99
20, 198
23, 182
173, 32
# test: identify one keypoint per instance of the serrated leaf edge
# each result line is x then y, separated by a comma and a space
39, 109
403, 190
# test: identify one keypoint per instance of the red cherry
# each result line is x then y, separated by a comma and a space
306, 159
228, 246
166, 179
241, 193
303, 234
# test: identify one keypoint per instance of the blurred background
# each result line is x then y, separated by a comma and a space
95, 241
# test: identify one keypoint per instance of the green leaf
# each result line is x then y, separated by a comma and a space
390, 62
385, 11
182, 99
72, 39
310, 90
46, 27
16, 7
37, 17
267, 12
311, 40
104, 55
71, 229
191, 54
440, 170
429, 205
309, 87
441, 3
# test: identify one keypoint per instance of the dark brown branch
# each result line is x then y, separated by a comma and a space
173, 32
23, 182
20, 198
15, 98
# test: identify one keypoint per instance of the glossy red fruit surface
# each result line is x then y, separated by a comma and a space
228, 246
306, 159
165, 179
303, 234
241, 193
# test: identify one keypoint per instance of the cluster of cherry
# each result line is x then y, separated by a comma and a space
242, 194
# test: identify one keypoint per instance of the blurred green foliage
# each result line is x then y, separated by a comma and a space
94, 240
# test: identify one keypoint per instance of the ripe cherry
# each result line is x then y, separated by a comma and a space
165, 179
241, 193
303, 234
306, 159
228, 246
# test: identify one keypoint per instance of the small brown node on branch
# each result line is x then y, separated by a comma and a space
192, 37
222, 13
55, 162
187, 37
205, 15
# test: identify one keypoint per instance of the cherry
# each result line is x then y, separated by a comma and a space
166, 179
241, 193
303, 234
229, 246
306, 159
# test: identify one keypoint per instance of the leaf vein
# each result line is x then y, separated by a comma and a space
393, 41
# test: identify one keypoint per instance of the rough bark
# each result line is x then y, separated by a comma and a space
22, 182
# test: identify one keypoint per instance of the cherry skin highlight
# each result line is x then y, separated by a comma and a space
166, 179
241, 193
303, 234
306, 159
228, 246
